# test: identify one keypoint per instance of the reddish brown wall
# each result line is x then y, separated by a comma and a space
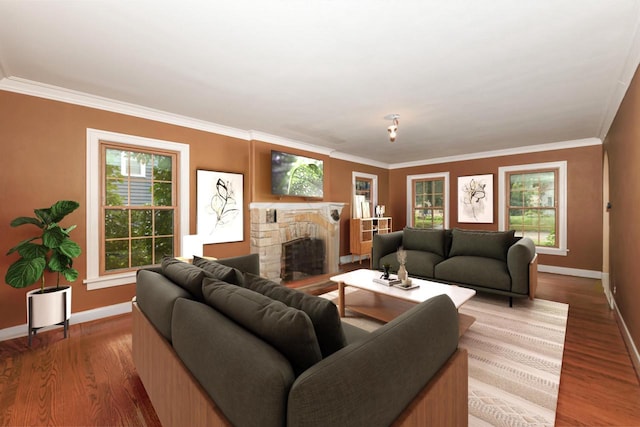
43, 160
584, 198
623, 149
337, 183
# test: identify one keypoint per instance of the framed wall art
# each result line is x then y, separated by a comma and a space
220, 202
475, 199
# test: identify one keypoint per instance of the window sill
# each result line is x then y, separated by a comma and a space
552, 251
110, 281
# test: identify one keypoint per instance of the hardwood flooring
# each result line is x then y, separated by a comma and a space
89, 379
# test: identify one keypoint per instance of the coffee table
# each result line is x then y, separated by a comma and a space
385, 303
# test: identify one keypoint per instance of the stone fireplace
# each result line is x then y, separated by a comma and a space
302, 227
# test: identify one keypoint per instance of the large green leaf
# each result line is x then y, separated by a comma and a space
26, 220
31, 251
25, 272
44, 214
70, 248
54, 236
58, 262
71, 274
62, 208
19, 245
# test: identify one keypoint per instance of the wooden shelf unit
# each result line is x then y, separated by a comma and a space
362, 231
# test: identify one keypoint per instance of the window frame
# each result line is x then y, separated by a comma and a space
561, 188
131, 179
445, 197
94, 279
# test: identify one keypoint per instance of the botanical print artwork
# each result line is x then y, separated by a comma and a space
475, 198
220, 201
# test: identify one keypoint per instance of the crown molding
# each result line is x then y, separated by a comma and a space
576, 143
56, 93
357, 159
292, 143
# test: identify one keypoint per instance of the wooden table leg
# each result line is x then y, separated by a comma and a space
341, 299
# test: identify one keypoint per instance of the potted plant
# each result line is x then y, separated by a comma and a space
51, 250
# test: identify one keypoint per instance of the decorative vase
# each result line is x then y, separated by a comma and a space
402, 273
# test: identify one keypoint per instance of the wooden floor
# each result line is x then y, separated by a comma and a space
89, 378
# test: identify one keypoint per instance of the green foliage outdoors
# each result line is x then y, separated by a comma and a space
51, 250
139, 220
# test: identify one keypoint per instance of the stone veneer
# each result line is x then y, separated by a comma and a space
320, 220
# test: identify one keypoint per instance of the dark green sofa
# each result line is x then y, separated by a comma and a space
488, 261
215, 344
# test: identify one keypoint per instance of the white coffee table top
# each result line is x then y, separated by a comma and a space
363, 279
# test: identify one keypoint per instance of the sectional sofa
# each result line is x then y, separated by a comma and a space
487, 261
216, 344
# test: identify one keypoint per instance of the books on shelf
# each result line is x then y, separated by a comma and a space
391, 281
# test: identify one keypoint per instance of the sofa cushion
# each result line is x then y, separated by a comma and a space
489, 244
156, 294
218, 270
185, 275
476, 271
218, 351
322, 312
419, 263
423, 240
287, 329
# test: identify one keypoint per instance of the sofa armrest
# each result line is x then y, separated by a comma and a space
372, 381
384, 244
519, 256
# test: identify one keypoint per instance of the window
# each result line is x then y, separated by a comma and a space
138, 209
137, 204
533, 203
428, 201
365, 186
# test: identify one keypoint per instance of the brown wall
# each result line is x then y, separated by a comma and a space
43, 160
44, 157
337, 183
584, 198
622, 146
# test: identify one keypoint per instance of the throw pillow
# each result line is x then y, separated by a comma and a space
287, 329
488, 244
185, 275
219, 271
423, 240
322, 312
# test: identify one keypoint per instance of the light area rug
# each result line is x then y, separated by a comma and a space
515, 359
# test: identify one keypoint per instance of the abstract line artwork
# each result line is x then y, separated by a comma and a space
220, 206
475, 199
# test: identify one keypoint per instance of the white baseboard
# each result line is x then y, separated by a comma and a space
626, 336
348, 259
590, 274
80, 317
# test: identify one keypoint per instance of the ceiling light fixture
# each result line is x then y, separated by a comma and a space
393, 129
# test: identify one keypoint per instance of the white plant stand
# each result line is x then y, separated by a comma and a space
49, 308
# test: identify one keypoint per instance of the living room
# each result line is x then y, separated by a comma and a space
45, 127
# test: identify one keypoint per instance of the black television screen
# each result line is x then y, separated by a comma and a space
293, 175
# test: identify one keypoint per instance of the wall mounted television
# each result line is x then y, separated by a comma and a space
294, 175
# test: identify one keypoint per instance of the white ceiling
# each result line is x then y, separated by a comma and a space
465, 76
